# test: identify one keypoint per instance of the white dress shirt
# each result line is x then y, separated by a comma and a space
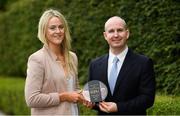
121, 58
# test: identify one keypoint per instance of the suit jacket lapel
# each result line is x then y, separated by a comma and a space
104, 72
124, 69
103, 68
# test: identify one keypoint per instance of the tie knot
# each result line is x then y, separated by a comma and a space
115, 60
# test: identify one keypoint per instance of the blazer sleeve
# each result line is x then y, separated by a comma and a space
33, 85
146, 91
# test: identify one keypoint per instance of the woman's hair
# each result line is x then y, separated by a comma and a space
66, 43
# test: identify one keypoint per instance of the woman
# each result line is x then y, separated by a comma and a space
52, 85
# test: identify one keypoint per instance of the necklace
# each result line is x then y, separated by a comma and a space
62, 62
67, 78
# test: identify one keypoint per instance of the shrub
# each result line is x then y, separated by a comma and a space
12, 96
154, 28
165, 105
12, 100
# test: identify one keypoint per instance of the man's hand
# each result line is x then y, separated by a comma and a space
108, 107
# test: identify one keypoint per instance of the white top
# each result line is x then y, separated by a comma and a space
74, 107
121, 58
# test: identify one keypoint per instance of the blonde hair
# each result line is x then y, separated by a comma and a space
66, 43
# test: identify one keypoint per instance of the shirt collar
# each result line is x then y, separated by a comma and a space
120, 55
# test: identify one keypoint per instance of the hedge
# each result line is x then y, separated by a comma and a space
154, 27
12, 101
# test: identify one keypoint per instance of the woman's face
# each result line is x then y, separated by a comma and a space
55, 31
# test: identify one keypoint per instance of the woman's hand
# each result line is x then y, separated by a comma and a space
88, 104
71, 97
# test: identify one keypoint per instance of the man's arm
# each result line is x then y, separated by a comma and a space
146, 91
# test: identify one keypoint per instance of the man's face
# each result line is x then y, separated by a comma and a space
115, 33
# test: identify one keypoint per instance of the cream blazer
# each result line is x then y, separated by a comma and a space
45, 80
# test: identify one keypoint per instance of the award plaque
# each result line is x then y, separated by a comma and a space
95, 91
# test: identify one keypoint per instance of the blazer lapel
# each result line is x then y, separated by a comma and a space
124, 69
104, 70
103, 67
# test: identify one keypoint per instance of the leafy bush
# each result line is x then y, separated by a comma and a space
165, 105
12, 100
154, 28
12, 96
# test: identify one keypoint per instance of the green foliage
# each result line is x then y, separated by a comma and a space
12, 101
2, 4
165, 105
12, 96
86, 111
154, 28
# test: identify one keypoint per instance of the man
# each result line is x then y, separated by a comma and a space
130, 79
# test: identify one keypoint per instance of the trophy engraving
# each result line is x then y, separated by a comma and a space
95, 91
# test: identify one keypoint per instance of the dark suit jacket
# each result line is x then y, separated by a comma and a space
135, 87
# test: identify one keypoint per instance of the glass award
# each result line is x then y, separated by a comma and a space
95, 91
